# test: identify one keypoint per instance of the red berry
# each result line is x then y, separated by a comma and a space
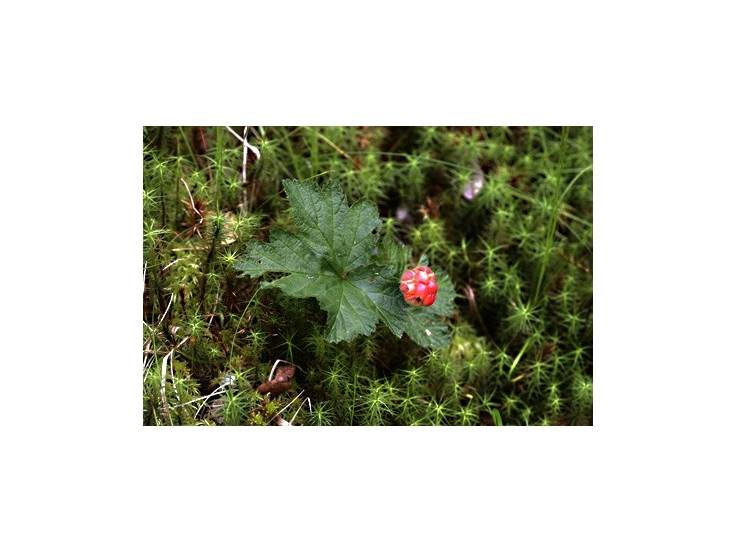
418, 286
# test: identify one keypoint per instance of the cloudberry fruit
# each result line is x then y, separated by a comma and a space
418, 286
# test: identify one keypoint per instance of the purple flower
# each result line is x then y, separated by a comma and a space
474, 186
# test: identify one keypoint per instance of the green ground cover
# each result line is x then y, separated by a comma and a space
503, 213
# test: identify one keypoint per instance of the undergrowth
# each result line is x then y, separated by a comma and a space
506, 212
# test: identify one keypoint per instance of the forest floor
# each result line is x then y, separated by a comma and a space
505, 212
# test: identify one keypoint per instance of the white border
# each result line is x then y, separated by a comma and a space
655, 473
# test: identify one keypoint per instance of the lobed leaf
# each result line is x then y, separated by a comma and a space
345, 235
285, 253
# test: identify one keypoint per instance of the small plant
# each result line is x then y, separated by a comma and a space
335, 257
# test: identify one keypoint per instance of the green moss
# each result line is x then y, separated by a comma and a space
520, 253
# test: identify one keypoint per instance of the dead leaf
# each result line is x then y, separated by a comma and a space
281, 382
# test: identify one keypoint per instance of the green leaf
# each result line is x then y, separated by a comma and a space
354, 304
344, 235
286, 253
332, 260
